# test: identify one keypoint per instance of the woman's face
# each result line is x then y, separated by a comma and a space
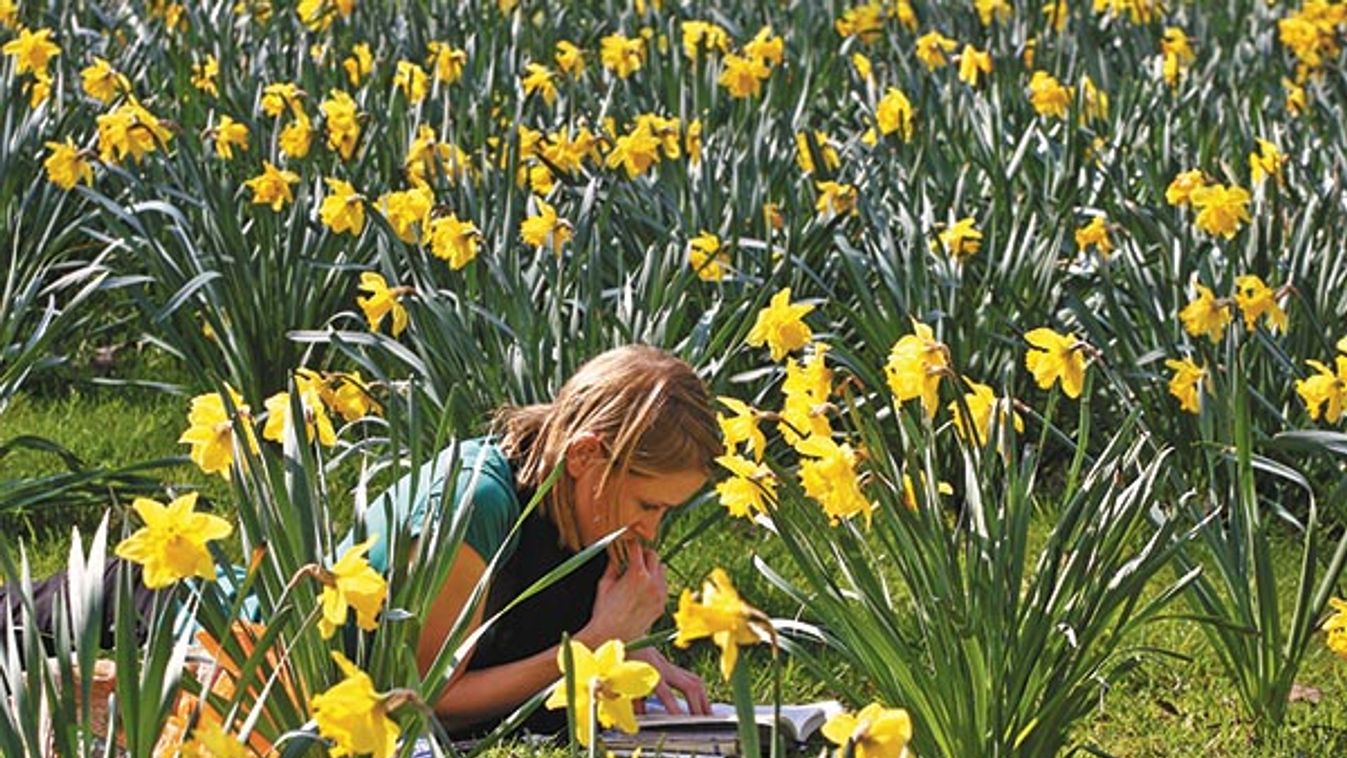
634, 500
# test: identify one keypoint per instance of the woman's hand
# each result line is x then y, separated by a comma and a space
672, 678
627, 603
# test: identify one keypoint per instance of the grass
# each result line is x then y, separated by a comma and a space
1168, 706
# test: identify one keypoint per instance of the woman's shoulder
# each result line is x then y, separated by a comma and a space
482, 459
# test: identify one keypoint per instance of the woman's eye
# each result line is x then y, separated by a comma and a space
649, 507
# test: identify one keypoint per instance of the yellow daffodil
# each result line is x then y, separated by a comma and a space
910, 488
1296, 100
1336, 627
992, 10
931, 49
1177, 53
32, 50
635, 151
606, 678
973, 65
961, 239
454, 240
718, 613
172, 543
693, 141
781, 326
228, 135
1311, 33
210, 431
917, 362
1220, 209
1325, 391
806, 390
1094, 101
766, 47
749, 488
1256, 299
210, 740
862, 66
1186, 383
742, 76
569, 58
428, 157
981, 403
1059, 356
538, 78
411, 80
814, 378
804, 157
828, 476
772, 218
382, 301
545, 228
318, 15
1058, 14
407, 211
865, 22
706, 257
272, 186
343, 123
358, 64
130, 129
351, 583
835, 198
873, 732
1048, 96
894, 113
315, 414
66, 165
1180, 190
204, 75
1094, 234
1266, 162
101, 81
446, 61
1136, 11
622, 55
39, 89
343, 209
278, 96
741, 427
297, 137
349, 397
703, 35
665, 130
354, 716
906, 14
1206, 315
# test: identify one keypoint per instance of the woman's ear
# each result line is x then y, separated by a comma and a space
584, 451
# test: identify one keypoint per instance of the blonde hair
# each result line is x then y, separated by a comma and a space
649, 408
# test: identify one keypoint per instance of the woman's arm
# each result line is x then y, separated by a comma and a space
474, 696
624, 608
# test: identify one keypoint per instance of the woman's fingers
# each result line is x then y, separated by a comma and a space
666, 698
693, 689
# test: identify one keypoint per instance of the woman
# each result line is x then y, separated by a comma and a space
635, 435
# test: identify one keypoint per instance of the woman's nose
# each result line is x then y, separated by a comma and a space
646, 527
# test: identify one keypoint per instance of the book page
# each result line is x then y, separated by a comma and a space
798, 721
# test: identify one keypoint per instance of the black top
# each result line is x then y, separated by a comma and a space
537, 623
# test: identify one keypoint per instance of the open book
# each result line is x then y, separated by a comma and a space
716, 733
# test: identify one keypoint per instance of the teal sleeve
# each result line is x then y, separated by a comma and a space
495, 507
494, 511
